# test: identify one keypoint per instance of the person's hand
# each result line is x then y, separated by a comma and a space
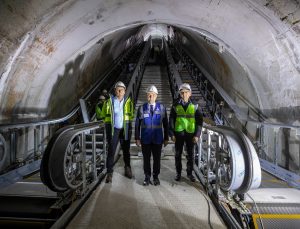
174, 139
138, 143
195, 139
166, 142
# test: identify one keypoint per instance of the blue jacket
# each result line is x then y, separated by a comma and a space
149, 128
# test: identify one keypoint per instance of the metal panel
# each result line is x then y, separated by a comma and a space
19, 173
290, 177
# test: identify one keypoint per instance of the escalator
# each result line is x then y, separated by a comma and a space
73, 162
274, 204
155, 75
130, 204
131, 194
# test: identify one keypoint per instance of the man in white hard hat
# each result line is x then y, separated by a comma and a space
151, 131
105, 94
185, 124
118, 114
99, 107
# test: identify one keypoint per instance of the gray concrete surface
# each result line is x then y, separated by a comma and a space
128, 204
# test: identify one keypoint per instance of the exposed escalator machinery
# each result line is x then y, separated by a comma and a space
225, 159
74, 157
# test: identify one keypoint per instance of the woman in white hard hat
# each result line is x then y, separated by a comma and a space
151, 131
185, 127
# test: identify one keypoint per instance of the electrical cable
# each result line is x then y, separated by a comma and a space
205, 195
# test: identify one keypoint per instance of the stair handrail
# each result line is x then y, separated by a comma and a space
134, 83
112, 66
242, 116
175, 79
18, 159
252, 173
58, 147
269, 158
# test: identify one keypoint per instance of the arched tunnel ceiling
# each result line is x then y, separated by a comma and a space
53, 52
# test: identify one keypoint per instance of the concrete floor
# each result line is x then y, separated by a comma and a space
128, 204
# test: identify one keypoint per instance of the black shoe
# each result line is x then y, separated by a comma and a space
147, 181
191, 177
156, 181
178, 177
128, 172
108, 178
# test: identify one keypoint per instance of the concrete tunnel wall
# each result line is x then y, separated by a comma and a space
50, 56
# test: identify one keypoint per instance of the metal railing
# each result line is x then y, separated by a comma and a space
174, 76
277, 144
227, 160
23, 144
223, 154
65, 164
74, 157
134, 84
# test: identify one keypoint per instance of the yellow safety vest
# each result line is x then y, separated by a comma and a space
128, 114
185, 120
98, 111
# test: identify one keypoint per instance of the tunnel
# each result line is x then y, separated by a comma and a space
53, 53
250, 48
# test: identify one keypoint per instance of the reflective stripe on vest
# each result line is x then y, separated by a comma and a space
127, 112
185, 120
151, 126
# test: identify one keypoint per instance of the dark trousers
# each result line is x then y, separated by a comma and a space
155, 149
181, 138
112, 142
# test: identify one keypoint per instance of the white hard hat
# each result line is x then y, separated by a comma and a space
152, 88
120, 84
185, 86
102, 97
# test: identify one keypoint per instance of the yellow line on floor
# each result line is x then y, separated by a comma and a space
273, 216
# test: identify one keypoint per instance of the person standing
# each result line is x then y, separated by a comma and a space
118, 113
105, 94
151, 131
185, 124
99, 107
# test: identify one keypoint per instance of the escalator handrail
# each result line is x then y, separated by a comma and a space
241, 115
4, 126
174, 72
110, 69
65, 134
246, 150
137, 70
